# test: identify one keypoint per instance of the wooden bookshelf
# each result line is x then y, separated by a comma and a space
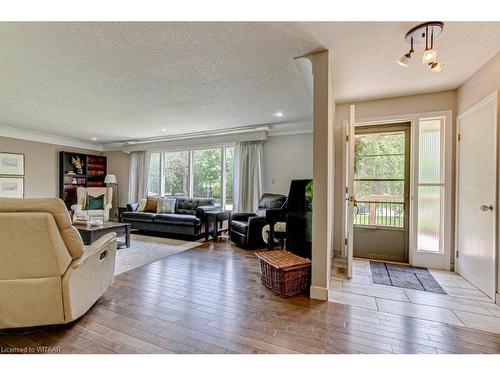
92, 174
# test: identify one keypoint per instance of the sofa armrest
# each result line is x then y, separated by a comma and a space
93, 249
132, 207
242, 216
273, 215
255, 225
200, 210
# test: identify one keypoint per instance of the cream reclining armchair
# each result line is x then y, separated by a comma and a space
47, 275
81, 196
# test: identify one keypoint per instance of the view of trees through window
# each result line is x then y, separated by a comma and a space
229, 177
211, 177
176, 173
379, 173
207, 176
154, 174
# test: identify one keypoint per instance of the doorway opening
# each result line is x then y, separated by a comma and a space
381, 192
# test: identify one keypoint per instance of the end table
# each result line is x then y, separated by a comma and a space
217, 218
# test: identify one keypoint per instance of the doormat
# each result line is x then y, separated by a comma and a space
403, 276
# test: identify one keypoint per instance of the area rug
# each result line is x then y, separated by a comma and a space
404, 276
145, 249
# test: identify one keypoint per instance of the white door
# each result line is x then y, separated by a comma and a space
476, 195
350, 192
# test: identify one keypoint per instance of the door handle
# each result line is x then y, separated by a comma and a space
485, 207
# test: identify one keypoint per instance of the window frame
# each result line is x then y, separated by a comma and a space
223, 148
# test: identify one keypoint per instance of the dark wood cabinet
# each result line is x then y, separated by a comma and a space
91, 174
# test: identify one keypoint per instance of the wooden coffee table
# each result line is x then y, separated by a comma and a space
92, 234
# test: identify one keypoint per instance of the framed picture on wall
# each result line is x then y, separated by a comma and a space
12, 187
11, 164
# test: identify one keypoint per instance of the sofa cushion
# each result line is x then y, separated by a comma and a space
268, 201
142, 205
95, 203
146, 217
166, 205
151, 204
186, 206
177, 219
239, 226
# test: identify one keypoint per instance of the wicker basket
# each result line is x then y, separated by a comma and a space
284, 273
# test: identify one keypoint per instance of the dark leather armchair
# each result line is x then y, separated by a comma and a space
246, 228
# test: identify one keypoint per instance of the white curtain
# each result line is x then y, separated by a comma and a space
138, 175
248, 175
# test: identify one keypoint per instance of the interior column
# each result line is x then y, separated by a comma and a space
323, 163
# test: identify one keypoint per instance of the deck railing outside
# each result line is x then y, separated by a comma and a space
389, 214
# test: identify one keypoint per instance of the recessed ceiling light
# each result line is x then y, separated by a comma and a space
163, 130
279, 114
94, 138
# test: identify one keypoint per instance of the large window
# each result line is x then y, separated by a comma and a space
206, 173
430, 185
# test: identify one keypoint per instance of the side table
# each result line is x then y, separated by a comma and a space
216, 219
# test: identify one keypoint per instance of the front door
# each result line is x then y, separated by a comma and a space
476, 193
381, 191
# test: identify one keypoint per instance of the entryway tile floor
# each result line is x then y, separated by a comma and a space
464, 305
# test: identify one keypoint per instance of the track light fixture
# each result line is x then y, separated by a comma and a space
420, 34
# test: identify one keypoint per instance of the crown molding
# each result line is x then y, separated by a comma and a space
229, 134
148, 143
34, 136
291, 128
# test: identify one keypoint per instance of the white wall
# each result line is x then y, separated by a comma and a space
287, 157
479, 85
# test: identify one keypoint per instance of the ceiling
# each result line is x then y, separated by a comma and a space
119, 81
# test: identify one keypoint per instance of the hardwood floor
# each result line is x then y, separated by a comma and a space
210, 300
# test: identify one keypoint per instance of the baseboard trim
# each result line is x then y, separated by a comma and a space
497, 299
318, 292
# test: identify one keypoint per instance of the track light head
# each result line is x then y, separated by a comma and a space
404, 60
429, 55
436, 66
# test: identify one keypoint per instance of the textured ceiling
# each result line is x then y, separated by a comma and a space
119, 81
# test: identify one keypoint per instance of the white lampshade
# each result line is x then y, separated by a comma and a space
110, 179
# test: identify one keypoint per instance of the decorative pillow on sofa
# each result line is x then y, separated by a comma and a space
166, 205
151, 204
142, 205
95, 203
186, 206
